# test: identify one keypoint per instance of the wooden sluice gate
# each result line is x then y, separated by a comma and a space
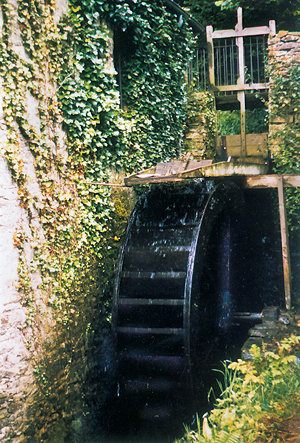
178, 289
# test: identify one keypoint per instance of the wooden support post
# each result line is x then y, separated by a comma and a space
284, 244
241, 81
241, 99
210, 55
272, 27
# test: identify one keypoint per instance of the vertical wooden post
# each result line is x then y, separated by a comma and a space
241, 99
210, 55
272, 27
241, 81
284, 244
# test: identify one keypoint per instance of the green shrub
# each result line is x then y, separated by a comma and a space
253, 391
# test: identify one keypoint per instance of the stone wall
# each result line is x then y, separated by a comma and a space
41, 363
16, 379
200, 126
284, 51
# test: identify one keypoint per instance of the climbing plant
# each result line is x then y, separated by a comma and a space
285, 103
77, 135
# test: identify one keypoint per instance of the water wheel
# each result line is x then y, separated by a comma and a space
172, 292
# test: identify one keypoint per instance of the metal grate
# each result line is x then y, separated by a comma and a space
255, 52
225, 61
197, 71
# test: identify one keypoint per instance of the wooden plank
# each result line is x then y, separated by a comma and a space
145, 331
246, 32
271, 181
284, 243
256, 145
192, 164
241, 87
152, 275
142, 179
272, 26
241, 81
150, 302
241, 99
226, 169
210, 55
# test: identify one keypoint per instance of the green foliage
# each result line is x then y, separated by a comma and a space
286, 13
208, 13
150, 128
229, 122
252, 392
80, 134
201, 113
285, 103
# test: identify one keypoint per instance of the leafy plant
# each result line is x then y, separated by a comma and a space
229, 122
252, 392
78, 137
285, 142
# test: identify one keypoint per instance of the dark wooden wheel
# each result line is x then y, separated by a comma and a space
169, 295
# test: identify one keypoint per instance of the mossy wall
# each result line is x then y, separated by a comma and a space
63, 137
284, 132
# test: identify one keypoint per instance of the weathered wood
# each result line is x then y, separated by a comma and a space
210, 55
272, 27
241, 99
150, 302
246, 32
271, 181
226, 169
164, 172
241, 87
284, 243
256, 145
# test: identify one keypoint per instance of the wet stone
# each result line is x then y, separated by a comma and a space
276, 325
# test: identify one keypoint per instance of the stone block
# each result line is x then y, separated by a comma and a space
278, 119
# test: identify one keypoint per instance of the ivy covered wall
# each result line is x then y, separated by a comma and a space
284, 131
63, 132
284, 105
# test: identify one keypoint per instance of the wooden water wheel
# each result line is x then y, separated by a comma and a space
172, 291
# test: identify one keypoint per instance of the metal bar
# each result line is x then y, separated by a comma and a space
264, 55
251, 62
284, 243
232, 67
218, 64
197, 67
257, 60
225, 68
204, 69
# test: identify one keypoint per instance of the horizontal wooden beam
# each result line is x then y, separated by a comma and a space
271, 181
241, 87
246, 32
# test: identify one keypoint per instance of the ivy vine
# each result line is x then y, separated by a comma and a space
78, 135
285, 103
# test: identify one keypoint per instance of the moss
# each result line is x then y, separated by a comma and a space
200, 125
